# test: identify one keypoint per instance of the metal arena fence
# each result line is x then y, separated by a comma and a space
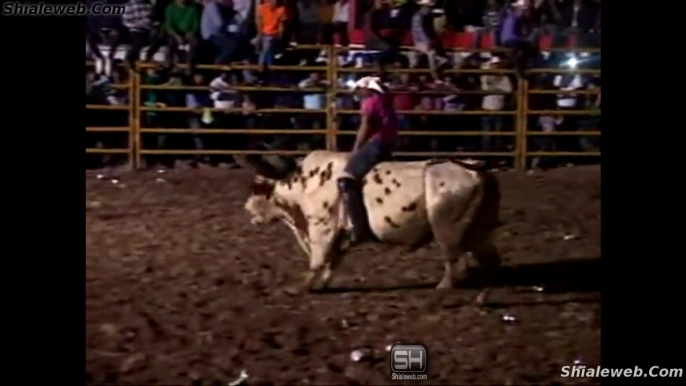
519, 152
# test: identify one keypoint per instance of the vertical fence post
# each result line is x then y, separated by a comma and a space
132, 117
524, 123
518, 122
332, 73
135, 101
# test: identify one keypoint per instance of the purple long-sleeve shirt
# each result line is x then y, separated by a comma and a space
508, 29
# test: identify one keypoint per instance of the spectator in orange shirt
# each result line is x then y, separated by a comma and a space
271, 16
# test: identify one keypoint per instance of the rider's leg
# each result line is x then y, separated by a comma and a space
358, 166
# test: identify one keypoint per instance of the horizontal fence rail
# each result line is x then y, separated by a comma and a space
331, 115
129, 107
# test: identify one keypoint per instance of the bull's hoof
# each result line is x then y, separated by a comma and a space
293, 290
481, 299
311, 284
444, 284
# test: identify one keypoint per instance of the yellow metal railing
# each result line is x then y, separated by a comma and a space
130, 107
525, 113
520, 132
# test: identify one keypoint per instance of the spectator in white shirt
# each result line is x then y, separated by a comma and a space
495, 102
567, 82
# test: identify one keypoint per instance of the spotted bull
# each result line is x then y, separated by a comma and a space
452, 202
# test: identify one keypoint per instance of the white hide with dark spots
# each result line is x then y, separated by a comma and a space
407, 202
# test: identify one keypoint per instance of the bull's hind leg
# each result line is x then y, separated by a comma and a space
489, 263
451, 257
450, 223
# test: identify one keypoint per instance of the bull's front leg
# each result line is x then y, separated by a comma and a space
322, 257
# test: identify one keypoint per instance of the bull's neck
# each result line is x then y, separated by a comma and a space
287, 198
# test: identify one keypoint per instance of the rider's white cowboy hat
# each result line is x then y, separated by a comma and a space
426, 2
370, 82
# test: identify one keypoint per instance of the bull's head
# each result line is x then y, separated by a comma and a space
260, 204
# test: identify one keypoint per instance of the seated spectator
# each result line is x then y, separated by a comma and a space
151, 97
567, 82
100, 89
339, 27
244, 8
403, 97
462, 15
106, 30
451, 101
221, 26
308, 28
592, 122
137, 19
384, 28
197, 99
491, 18
325, 19
158, 36
182, 19
270, 18
428, 100
222, 94
426, 40
495, 102
515, 34
580, 18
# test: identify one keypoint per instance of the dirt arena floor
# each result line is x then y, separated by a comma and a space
181, 289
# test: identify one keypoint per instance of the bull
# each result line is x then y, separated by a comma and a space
453, 202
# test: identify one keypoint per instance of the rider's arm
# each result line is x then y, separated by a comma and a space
362, 132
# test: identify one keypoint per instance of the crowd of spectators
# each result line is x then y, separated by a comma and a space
227, 32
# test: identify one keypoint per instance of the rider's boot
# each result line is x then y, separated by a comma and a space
354, 205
